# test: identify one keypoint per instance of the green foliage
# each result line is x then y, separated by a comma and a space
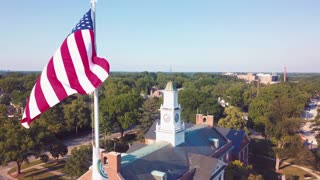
145, 82
58, 149
120, 111
234, 119
20, 143
236, 169
255, 177
281, 128
150, 112
261, 147
77, 114
44, 158
53, 120
18, 86
289, 98
79, 161
202, 101
3, 111
5, 99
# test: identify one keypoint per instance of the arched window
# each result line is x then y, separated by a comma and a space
204, 120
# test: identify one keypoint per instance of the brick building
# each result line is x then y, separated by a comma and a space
174, 149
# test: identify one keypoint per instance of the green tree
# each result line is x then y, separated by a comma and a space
58, 149
3, 111
145, 82
20, 143
78, 162
281, 129
255, 177
77, 114
53, 120
150, 112
260, 106
234, 119
236, 169
121, 110
5, 99
235, 95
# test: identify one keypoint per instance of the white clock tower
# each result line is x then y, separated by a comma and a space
170, 128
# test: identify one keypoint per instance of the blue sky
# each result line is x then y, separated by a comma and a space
154, 35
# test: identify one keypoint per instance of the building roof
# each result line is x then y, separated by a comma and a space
174, 161
204, 166
135, 146
235, 136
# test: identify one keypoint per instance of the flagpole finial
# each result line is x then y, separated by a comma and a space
93, 4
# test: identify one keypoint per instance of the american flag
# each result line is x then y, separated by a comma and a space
74, 68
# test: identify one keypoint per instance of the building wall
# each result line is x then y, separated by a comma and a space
248, 77
208, 120
149, 141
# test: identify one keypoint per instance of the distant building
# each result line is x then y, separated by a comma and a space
268, 78
174, 149
247, 77
262, 78
229, 74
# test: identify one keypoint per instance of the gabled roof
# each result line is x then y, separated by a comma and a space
174, 161
135, 146
235, 136
165, 159
205, 166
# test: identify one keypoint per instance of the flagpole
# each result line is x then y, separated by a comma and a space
96, 147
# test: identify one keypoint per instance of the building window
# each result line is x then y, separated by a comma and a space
227, 157
105, 160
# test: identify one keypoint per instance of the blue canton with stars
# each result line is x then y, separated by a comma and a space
84, 23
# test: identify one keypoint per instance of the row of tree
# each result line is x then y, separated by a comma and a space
273, 110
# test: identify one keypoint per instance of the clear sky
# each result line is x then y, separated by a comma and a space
154, 35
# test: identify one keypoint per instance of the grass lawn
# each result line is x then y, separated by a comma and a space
55, 166
38, 174
266, 169
25, 165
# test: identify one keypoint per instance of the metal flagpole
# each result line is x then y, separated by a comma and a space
96, 148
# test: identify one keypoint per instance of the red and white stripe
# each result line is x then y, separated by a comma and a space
74, 68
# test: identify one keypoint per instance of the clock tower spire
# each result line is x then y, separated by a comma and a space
170, 128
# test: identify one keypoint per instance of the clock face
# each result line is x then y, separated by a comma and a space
166, 118
176, 118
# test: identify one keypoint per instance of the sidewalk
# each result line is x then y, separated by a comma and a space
312, 172
70, 143
39, 167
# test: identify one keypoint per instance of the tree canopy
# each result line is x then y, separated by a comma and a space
234, 119
79, 161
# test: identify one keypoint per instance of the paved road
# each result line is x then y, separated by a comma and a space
308, 135
4, 171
